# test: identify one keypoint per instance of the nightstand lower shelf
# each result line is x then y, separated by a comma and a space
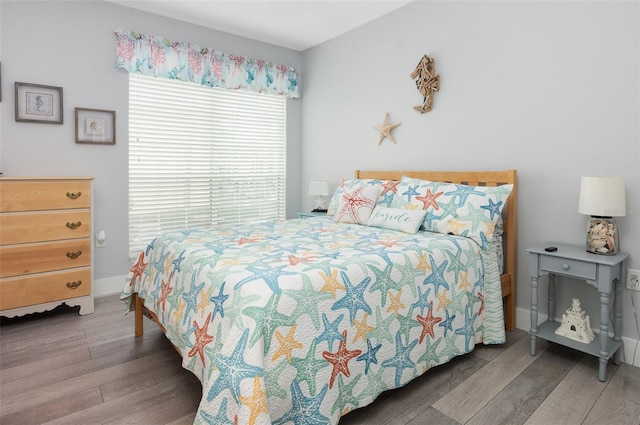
547, 330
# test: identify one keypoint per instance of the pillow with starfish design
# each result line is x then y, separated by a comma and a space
456, 209
387, 190
355, 205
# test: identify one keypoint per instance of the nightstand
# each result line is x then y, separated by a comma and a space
311, 214
600, 271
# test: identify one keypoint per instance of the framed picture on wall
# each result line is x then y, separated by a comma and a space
38, 103
97, 126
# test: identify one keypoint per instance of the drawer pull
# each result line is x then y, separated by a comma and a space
74, 255
74, 285
74, 195
565, 266
75, 225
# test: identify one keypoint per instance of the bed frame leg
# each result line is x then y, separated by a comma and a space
138, 315
510, 312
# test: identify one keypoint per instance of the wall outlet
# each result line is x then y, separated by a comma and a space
633, 279
101, 239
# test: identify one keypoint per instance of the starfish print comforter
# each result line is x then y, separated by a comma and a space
302, 321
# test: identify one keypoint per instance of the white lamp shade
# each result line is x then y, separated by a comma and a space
318, 188
602, 196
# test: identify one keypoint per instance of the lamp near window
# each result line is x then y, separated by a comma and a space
602, 198
319, 188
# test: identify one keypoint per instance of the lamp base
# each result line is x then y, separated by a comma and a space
602, 236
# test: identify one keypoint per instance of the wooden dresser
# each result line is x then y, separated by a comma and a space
45, 244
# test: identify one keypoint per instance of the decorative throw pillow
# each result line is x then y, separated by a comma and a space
407, 221
355, 205
456, 209
387, 190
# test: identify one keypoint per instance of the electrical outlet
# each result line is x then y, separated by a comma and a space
633, 279
101, 239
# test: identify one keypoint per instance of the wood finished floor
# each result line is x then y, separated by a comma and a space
62, 368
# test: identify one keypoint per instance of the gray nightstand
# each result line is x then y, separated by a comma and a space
311, 214
600, 271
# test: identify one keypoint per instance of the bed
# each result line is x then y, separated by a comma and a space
304, 320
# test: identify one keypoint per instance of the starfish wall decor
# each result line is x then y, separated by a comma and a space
385, 129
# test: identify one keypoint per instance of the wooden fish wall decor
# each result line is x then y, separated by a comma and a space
427, 82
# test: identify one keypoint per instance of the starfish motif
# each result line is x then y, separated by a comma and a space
385, 129
271, 377
381, 331
467, 329
493, 208
287, 344
395, 304
164, 292
462, 192
308, 299
410, 192
443, 301
191, 297
340, 359
267, 319
401, 359
331, 332
346, 395
429, 200
202, 339
352, 202
390, 186
423, 301
257, 402
307, 368
430, 356
220, 418
138, 268
232, 370
428, 323
362, 328
177, 261
383, 282
354, 298
218, 302
437, 275
305, 410
331, 283
269, 275
447, 323
370, 356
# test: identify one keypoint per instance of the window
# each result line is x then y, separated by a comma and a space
201, 156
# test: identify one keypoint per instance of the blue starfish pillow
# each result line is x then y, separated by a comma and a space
456, 209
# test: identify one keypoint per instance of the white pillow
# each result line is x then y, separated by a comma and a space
355, 205
407, 221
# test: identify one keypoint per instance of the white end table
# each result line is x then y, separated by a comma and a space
600, 271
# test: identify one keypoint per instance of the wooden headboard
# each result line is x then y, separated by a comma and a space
478, 178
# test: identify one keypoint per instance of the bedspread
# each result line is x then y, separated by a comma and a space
301, 321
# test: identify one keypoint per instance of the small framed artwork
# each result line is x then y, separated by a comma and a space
96, 126
38, 103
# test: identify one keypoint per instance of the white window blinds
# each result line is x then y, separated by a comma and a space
200, 156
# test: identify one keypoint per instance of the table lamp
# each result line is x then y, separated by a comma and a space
602, 198
320, 189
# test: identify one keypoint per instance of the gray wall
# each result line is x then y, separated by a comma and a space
548, 88
71, 44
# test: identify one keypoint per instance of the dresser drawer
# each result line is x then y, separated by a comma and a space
574, 268
44, 226
42, 288
41, 257
39, 195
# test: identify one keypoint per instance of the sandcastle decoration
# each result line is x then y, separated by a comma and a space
575, 324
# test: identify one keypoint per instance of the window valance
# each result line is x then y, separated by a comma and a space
159, 57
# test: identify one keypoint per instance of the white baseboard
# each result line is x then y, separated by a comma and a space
108, 286
629, 345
